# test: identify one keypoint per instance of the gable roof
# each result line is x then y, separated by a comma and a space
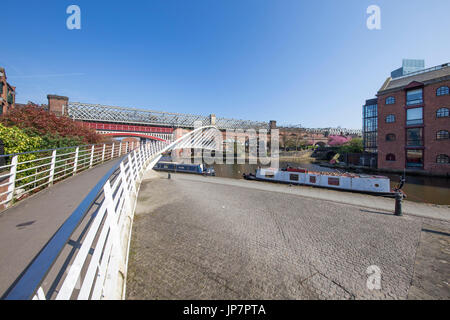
423, 78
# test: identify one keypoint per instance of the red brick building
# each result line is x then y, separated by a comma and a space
414, 122
7, 93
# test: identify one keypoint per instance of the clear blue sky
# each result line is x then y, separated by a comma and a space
298, 62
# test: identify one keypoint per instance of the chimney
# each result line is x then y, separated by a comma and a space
57, 104
272, 124
212, 119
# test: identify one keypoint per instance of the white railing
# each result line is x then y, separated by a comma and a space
98, 269
30, 172
91, 263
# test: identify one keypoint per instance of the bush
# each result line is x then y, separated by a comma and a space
353, 146
39, 122
17, 141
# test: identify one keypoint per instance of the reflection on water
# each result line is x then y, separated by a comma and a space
419, 189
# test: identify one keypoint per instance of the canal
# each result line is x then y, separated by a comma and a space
431, 190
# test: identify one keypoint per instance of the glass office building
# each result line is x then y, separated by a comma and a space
370, 125
408, 66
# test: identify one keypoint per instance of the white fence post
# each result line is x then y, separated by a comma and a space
12, 179
92, 156
52, 168
120, 149
109, 289
112, 151
103, 153
75, 161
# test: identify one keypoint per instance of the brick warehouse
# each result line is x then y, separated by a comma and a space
414, 123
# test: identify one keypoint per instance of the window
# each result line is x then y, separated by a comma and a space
1, 87
442, 113
390, 100
370, 124
269, 174
414, 158
390, 118
414, 137
414, 116
293, 177
333, 181
390, 137
312, 179
442, 91
370, 111
442, 135
390, 157
442, 159
414, 97
10, 98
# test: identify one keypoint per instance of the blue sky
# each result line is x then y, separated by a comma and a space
312, 63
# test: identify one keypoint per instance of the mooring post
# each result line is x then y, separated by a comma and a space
398, 204
168, 175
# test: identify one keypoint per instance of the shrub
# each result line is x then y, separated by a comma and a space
353, 146
39, 122
17, 141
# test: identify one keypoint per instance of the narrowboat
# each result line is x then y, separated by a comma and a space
184, 167
344, 181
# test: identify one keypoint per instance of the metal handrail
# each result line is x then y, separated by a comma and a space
104, 243
29, 281
25, 174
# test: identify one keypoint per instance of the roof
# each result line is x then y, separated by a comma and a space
426, 76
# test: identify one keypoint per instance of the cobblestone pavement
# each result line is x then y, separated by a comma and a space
198, 240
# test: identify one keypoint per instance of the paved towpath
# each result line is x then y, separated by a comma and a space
26, 227
200, 237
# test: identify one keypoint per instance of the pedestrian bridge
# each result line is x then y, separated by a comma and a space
70, 240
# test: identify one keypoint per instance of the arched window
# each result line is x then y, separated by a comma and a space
390, 100
442, 113
442, 159
390, 118
390, 157
390, 137
442, 91
442, 135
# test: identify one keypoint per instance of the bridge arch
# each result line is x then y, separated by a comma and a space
129, 134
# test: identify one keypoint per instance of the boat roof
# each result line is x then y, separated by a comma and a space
336, 174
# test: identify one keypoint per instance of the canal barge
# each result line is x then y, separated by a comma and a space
372, 184
184, 168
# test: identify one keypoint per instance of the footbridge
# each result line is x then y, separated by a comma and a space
65, 231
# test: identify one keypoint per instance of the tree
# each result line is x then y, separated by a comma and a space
335, 141
55, 131
353, 146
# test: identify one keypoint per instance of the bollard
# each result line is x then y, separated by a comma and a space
398, 204
168, 175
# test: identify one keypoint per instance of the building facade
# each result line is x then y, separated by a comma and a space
414, 122
7, 93
370, 125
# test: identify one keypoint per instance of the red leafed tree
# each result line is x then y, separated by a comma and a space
44, 122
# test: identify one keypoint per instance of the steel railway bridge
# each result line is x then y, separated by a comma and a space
119, 121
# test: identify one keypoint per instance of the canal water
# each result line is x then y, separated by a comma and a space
417, 188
